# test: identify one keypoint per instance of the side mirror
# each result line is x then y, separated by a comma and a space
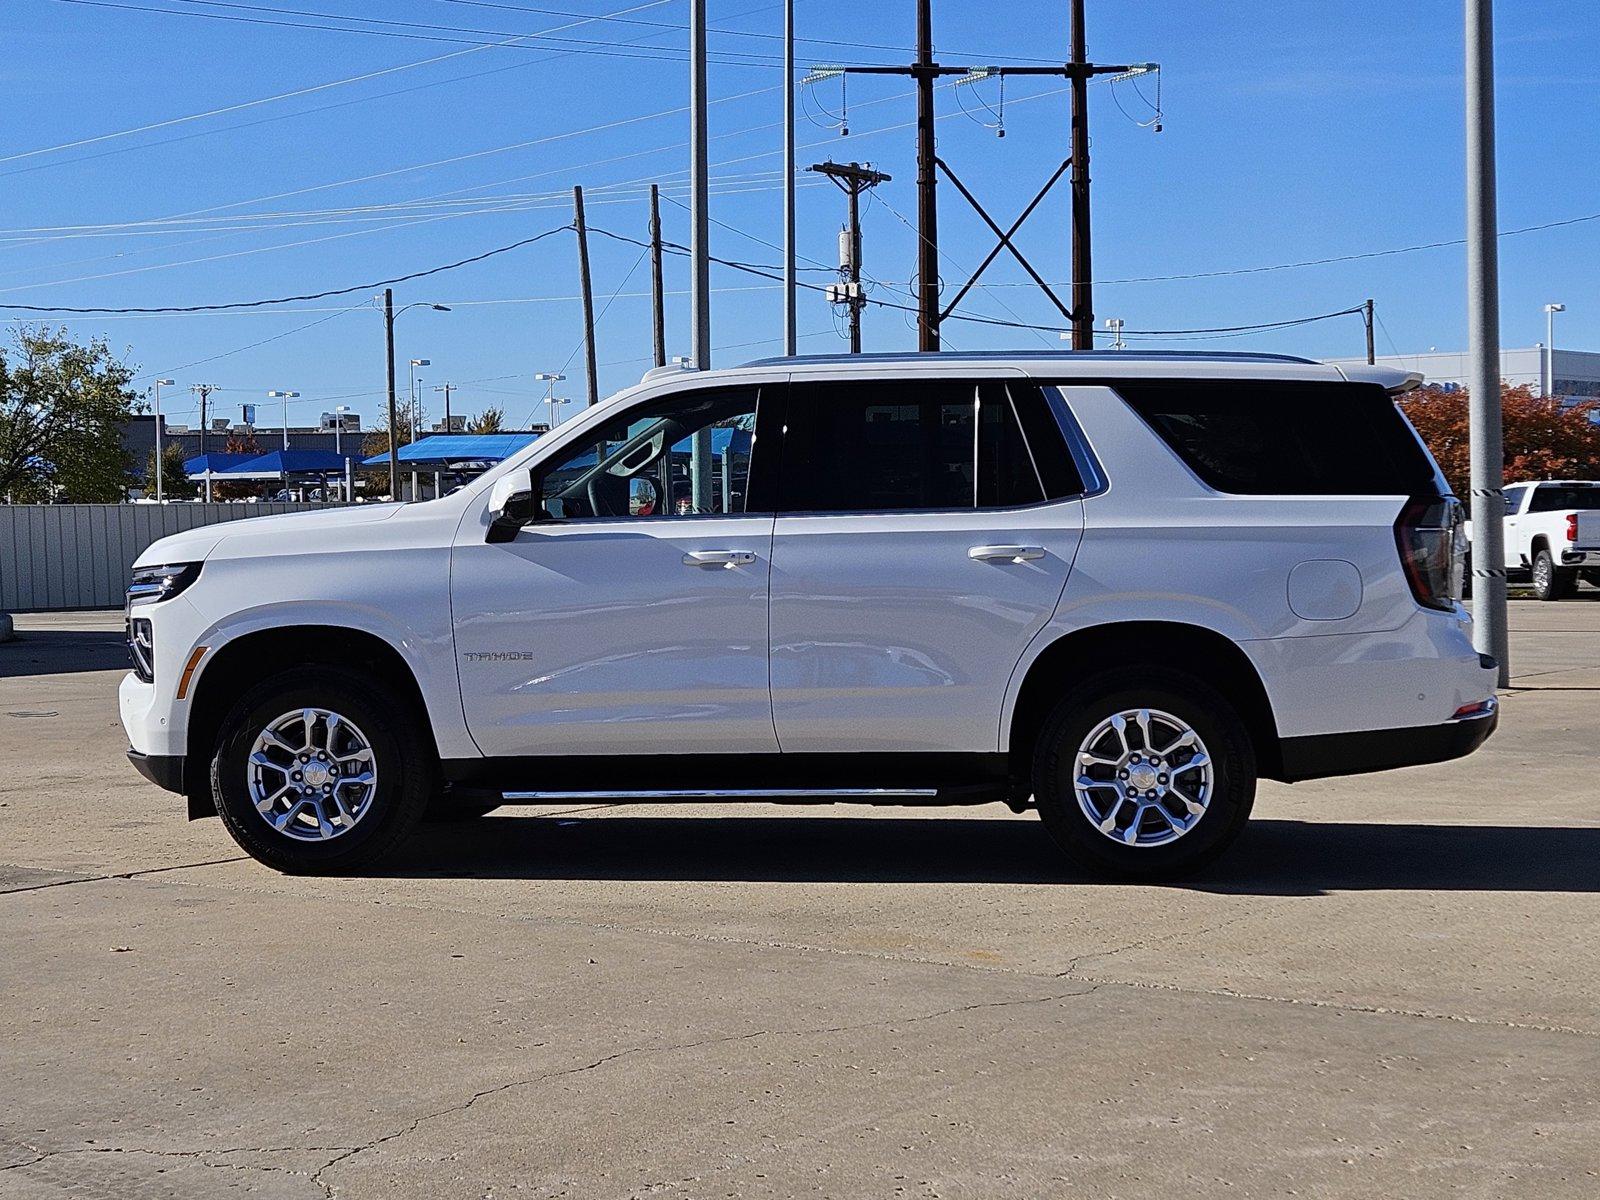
512, 504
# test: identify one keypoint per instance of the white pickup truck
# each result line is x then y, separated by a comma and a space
1553, 534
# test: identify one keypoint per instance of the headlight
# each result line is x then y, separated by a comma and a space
151, 584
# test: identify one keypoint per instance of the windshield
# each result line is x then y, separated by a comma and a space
1561, 497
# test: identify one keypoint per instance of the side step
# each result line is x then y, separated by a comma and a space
800, 794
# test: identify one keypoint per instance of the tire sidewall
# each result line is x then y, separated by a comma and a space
404, 774
1544, 576
1206, 711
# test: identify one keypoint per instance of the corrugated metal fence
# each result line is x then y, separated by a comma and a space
64, 556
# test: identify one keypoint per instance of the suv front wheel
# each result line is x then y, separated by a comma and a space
1144, 773
316, 772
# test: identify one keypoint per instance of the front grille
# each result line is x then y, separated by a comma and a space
141, 648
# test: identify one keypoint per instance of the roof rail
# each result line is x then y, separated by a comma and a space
1063, 356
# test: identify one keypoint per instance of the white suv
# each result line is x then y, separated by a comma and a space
1113, 587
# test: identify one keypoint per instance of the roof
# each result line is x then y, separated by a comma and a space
288, 462
198, 466
1123, 357
445, 448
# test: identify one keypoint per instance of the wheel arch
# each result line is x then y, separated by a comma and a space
1204, 652
243, 660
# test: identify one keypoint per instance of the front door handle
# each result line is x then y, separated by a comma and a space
1005, 553
719, 558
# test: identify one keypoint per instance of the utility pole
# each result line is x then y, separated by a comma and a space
926, 72
790, 327
1486, 434
203, 390
699, 194
1369, 315
854, 179
447, 388
657, 292
394, 415
1082, 242
588, 293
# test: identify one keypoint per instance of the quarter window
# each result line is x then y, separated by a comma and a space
687, 455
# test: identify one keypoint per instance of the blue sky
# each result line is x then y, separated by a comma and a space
1293, 130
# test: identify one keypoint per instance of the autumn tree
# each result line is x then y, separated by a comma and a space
1543, 439
175, 481
63, 407
490, 420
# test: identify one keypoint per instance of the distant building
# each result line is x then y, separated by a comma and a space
1577, 372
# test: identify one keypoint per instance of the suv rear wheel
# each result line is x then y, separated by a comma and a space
315, 772
1144, 773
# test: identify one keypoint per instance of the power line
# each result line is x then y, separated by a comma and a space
344, 291
305, 91
505, 40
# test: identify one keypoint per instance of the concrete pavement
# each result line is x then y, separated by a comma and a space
1387, 989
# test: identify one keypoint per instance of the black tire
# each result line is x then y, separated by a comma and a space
448, 807
1206, 711
401, 751
1550, 582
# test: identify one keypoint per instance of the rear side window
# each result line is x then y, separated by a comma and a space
907, 445
1260, 437
1561, 497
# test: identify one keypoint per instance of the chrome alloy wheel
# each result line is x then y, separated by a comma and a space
1144, 777
311, 774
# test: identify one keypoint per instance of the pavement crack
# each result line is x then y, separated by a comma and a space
1381, 1010
412, 1126
139, 874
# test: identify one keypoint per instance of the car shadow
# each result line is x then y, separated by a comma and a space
1272, 857
62, 652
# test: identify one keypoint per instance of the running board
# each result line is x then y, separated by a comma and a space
726, 794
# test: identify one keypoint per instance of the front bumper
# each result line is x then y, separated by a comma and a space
163, 770
1323, 755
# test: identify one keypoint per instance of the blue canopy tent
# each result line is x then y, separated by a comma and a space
284, 464
449, 449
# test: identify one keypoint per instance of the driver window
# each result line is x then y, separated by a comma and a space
687, 455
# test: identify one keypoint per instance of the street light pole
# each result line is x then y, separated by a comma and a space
1486, 433
285, 397
389, 315
159, 384
551, 378
1550, 311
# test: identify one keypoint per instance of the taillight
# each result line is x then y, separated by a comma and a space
1572, 527
1432, 545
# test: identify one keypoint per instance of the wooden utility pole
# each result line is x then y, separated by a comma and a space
925, 73
854, 179
1082, 243
394, 414
588, 293
1368, 315
657, 298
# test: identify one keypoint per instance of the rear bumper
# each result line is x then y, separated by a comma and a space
1328, 754
163, 770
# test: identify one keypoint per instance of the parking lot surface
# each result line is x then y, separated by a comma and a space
1391, 987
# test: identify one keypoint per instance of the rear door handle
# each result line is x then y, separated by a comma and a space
718, 558
1005, 553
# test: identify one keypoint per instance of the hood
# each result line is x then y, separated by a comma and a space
198, 544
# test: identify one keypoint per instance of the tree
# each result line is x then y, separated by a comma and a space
490, 420
175, 481
238, 489
1543, 439
63, 407
377, 442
